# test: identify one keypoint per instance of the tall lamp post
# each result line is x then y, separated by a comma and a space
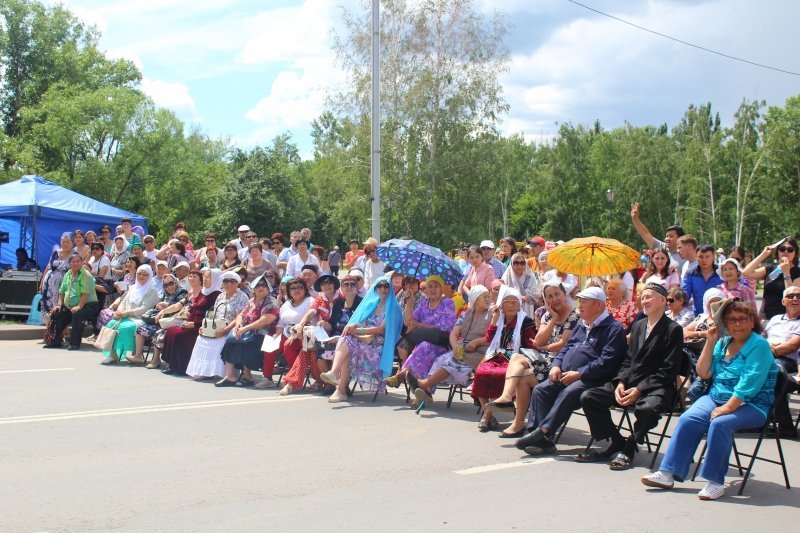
610, 198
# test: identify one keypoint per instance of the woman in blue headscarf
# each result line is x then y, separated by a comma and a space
366, 349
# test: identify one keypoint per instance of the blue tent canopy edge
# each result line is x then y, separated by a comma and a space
35, 212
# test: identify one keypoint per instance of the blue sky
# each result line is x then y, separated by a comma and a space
250, 70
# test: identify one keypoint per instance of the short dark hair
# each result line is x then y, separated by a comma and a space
313, 268
742, 306
254, 245
676, 229
296, 281
180, 246
211, 236
278, 237
96, 246
230, 246
125, 219
705, 248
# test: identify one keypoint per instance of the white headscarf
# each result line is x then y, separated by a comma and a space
475, 292
125, 244
709, 295
508, 292
138, 291
528, 284
216, 282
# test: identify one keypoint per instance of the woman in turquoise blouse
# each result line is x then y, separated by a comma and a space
743, 374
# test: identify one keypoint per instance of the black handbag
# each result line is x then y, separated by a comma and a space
149, 316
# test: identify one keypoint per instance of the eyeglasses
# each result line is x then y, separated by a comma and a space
262, 286
382, 286
169, 284
297, 288
210, 240
228, 281
670, 300
277, 242
105, 231
351, 284
518, 263
786, 249
739, 320
793, 296
270, 276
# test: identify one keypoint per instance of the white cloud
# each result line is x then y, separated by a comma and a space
174, 96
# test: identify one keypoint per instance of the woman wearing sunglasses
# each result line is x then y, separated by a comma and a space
776, 277
171, 302
365, 351
527, 282
291, 343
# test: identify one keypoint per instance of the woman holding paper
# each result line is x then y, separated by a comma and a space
365, 350
320, 309
509, 330
526, 372
243, 345
291, 343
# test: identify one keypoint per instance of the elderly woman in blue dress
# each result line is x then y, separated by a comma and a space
141, 296
206, 360
365, 350
742, 368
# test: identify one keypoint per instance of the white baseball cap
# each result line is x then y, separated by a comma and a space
244, 227
487, 244
592, 293
181, 264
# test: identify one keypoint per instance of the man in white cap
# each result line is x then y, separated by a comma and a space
162, 268
487, 250
591, 357
359, 275
241, 241
181, 271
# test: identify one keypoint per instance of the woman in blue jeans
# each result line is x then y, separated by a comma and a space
743, 374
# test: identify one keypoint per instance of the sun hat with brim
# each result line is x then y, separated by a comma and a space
231, 275
181, 264
718, 310
286, 279
259, 279
729, 260
437, 279
357, 272
487, 244
325, 278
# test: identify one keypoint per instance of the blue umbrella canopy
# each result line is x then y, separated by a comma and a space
414, 258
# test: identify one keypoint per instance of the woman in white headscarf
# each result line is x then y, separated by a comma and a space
179, 340
206, 360
141, 296
509, 330
468, 343
119, 254
526, 281
697, 330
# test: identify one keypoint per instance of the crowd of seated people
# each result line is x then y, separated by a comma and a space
524, 336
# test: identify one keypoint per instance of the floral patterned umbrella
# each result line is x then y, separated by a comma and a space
414, 258
593, 256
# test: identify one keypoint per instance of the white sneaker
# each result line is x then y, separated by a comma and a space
330, 378
337, 397
110, 360
266, 384
659, 479
711, 491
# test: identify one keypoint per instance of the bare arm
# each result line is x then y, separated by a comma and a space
641, 229
752, 270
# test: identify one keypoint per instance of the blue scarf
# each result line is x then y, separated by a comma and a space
392, 320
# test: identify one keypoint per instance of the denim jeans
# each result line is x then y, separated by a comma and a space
693, 424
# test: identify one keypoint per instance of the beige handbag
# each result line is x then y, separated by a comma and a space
211, 324
105, 340
166, 323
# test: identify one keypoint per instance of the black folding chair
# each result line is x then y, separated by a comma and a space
687, 368
780, 388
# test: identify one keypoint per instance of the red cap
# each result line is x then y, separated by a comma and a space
538, 240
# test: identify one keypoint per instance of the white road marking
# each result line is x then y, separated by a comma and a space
503, 466
147, 409
34, 370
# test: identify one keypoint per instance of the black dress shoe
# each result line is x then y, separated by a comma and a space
531, 439
225, 382
545, 447
71, 348
167, 371
247, 382
52, 346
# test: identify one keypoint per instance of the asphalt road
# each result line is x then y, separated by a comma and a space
89, 448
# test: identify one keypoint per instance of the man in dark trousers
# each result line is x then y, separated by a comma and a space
645, 383
591, 357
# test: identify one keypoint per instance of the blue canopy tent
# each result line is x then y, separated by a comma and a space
35, 212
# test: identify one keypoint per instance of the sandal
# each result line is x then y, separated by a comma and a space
247, 382
620, 462
392, 381
483, 426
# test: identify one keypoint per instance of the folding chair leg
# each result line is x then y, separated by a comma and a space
451, 394
699, 461
783, 461
736, 456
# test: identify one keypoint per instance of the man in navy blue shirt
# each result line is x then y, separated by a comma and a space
701, 278
591, 357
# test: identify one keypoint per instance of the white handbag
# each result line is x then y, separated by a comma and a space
211, 324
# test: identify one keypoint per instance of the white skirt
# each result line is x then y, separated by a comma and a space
206, 359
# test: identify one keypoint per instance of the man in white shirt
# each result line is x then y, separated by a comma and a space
373, 266
150, 251
241, 241
251, 237
288, 252
687, 248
